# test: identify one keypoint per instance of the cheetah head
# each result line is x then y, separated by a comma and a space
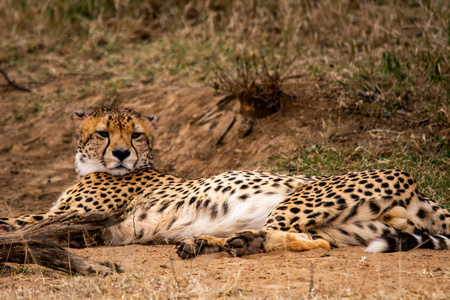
113, 140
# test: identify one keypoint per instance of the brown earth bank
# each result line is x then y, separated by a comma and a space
200, 133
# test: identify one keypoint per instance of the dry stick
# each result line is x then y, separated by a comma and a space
400, 270
38, 243
12, 83
362, 284
226, 131
311, 283
173, 272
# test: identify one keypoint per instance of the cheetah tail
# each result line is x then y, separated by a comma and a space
403, 241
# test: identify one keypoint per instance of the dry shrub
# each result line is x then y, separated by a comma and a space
254, 83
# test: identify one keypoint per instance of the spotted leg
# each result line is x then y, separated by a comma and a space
250, 242
359, 233
259, 241
203, 244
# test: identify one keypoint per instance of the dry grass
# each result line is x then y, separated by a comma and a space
254, 83
388, 59
380, 52
135, 285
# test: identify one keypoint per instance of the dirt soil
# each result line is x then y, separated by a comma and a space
200, 133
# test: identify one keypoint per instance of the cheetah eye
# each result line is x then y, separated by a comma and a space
135, 135
103, 134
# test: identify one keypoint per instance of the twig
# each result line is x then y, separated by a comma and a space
12, 83
173, 272
311, 282
226, 131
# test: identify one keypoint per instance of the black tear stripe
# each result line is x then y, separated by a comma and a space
136, 153
104, 151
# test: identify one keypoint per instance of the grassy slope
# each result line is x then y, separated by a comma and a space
390, 59
429, 166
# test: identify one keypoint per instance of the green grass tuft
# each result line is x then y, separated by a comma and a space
429, 164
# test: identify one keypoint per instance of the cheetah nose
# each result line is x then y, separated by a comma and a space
121, 154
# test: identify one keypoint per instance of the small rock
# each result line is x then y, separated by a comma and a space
246, 128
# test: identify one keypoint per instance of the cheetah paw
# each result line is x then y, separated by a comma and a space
200, 245
246, 243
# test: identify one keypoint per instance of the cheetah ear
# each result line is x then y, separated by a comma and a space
78, 116
154, 119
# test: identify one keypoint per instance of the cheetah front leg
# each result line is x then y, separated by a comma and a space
19, 222
259, 241
250, 242
203, 244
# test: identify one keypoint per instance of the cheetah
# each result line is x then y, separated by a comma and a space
242, 212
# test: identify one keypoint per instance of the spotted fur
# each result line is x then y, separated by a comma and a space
242, 212
379, 208
113, 140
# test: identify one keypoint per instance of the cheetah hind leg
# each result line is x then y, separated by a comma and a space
258, 241
203, 244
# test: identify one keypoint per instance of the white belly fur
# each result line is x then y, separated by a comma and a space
250, 213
